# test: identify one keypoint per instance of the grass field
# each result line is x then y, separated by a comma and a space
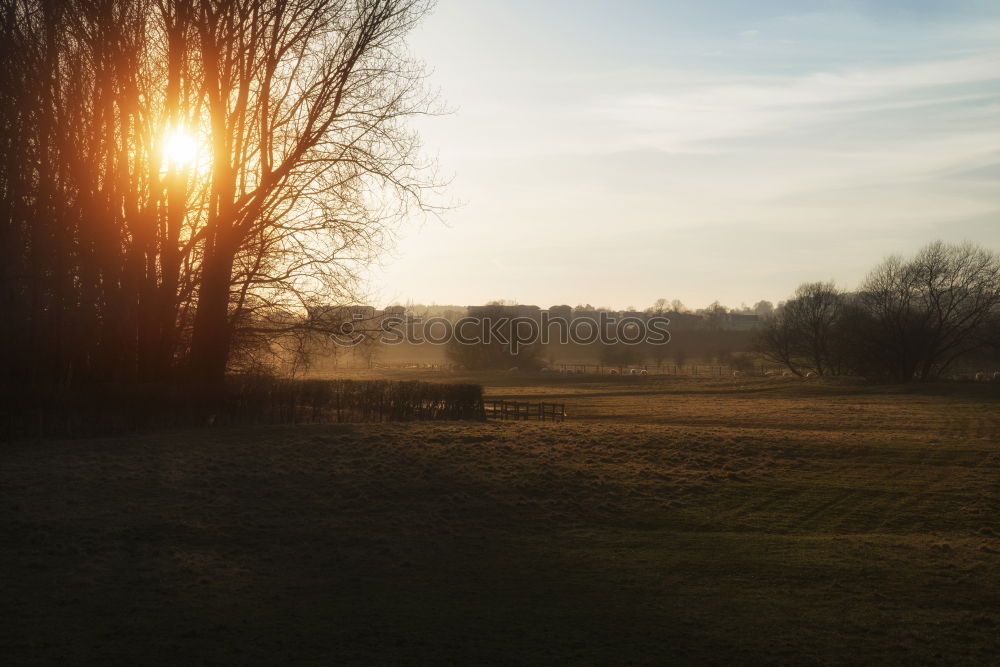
668, 521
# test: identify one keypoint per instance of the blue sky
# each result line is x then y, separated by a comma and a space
618, 152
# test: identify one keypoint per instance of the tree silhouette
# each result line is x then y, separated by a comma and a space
118, 263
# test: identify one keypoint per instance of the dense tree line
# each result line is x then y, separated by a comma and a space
119, 264
915, 319
694, 338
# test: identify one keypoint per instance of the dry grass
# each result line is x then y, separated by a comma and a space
670, 520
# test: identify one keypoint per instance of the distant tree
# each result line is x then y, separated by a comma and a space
658, 353
487, 353
763, 309
369, 351
802, 333
910, 320
918, 317
715, 316
777, 342
815, 312
680, 353
659, 306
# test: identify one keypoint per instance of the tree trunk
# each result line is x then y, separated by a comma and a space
212, 332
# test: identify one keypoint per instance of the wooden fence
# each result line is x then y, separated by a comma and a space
523, 411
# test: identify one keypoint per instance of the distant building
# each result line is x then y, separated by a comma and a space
337, 314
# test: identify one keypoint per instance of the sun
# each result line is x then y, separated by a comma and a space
180, 150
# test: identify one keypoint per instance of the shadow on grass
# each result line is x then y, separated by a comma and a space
374, 545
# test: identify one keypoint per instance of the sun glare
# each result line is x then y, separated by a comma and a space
180, 150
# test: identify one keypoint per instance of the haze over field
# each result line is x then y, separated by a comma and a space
615, 153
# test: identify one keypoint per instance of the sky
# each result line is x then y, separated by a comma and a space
617, 152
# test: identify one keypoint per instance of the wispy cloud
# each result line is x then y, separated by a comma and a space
712, 141
681, 119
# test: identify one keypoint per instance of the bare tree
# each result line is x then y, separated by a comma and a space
925, 314
802, 332
776, 342
763, 309
680, 353
118, 263
910, 320
304, 103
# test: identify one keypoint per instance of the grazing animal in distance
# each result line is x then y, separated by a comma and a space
613, 372
996, 376
980, 376
645, 372
737, 374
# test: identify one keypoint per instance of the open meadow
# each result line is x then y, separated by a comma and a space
668, 520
